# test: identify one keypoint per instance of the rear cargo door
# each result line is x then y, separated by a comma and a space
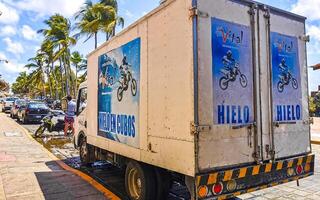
285, 62
227, 88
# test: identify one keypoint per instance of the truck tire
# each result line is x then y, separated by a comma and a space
164, 183
85, 151
140, 181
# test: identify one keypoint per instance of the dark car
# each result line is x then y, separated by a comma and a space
33, 112
15, 107
8, 102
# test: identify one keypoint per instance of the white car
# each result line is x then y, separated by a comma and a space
8, 102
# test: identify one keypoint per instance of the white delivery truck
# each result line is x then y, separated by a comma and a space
215, 92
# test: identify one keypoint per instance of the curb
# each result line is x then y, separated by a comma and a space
107, 193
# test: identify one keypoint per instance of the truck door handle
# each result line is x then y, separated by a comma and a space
250, 125
277, 124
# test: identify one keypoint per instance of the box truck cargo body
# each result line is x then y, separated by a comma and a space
215, 91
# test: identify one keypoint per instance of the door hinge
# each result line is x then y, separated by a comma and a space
195, 12
305, 38
195, 129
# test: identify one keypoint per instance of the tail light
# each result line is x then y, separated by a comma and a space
299, 169
217, 188
27, 111
203, 191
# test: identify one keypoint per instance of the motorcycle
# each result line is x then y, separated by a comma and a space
124, 84
230, 74
285, 80
54, 121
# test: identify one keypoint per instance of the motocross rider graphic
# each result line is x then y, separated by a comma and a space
228, 61
126, 79
283, 67
230, 72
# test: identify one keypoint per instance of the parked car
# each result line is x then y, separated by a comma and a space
32, 112
15, 107
8, 102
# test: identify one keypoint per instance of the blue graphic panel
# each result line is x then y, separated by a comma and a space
118, 94
286, 81
232, 73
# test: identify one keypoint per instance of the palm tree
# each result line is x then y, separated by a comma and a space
92, 18
48, 52
59, 33
22, 84
110, 28
76, 58
37, 63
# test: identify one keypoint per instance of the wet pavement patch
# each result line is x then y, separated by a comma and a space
12, 134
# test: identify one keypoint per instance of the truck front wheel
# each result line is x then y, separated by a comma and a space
140, 181
85, 151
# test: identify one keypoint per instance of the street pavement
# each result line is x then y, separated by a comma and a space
28, 172
309, 187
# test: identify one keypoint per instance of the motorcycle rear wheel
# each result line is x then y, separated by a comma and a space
120, 93
223, 83
280, 86
39, 131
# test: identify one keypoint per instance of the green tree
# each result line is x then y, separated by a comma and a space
94, 17
113, 21
76, 59
22, 84
37, 64
59, 33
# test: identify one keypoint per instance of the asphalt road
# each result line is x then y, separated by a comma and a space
113, 178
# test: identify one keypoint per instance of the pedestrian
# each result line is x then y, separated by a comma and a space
69, 115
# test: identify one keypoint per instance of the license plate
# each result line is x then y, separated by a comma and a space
38, 116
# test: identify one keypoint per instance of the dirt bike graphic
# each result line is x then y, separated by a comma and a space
126, 80
230, 74
285, 79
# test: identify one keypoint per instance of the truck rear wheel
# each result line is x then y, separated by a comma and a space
140, 181
164, 183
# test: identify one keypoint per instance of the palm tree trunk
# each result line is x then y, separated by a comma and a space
95, 40
61, 73
49, 81
76, 82
66, 75
55, 80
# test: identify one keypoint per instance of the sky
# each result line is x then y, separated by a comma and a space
21, 19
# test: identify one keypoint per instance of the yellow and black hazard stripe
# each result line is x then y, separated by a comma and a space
233, 182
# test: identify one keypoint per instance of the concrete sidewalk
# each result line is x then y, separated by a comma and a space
28, 172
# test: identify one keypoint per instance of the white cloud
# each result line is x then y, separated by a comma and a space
308, 8
8, 31
49, 7
313, 31
13, 47
9, 14
28, 33
128, 14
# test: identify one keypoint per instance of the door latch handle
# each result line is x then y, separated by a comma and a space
277, 124
85, 124
250, 125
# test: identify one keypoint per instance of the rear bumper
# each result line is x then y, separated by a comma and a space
35, 118
254, 177
7, 108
